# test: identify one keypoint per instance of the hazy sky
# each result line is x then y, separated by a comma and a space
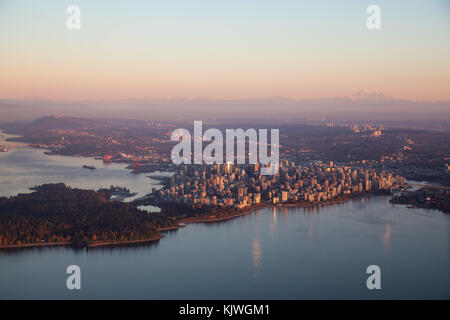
224, 49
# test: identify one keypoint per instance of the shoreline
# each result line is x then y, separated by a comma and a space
253, 208
187, 221
231, 214
31, 245
91, 245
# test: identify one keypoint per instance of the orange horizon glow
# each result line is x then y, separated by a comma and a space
209, 51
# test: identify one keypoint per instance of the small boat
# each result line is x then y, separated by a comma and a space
89, 167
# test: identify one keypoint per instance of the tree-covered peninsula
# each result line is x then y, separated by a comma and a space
57, 214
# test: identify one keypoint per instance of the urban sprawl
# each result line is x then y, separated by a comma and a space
240, 186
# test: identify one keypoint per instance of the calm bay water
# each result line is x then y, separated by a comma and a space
24, 167
295, 253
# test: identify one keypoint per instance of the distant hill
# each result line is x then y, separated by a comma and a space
66, 123
27, 128
363, 105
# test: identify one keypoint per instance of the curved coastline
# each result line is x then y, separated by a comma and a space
182, 223
253, 208
231, 213
90, 245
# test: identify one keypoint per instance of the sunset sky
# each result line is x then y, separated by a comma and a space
224, 49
